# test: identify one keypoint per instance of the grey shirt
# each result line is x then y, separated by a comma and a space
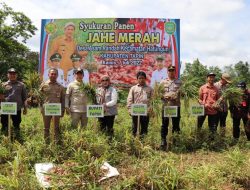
15, 92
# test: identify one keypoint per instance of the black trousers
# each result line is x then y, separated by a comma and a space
222, 117
16, 120
144, 121
175, 124
236, 127
212, 122
106, 124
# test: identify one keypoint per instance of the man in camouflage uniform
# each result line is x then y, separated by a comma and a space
141, 93
15, 92
52, 92
222, 106
76, 100
171, 97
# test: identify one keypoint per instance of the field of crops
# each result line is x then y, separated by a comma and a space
192, 162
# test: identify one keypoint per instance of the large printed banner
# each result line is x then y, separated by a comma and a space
118, 47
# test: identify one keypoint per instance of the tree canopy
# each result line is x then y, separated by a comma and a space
15, 29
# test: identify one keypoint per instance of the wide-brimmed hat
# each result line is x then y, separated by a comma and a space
226, 77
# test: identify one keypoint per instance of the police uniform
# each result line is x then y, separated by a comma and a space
60, 78
52, 92
139, 95
171, 97
76, 102
15, 92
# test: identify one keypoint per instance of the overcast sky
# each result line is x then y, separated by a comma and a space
215, 31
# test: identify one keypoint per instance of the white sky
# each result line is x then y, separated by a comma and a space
215, 31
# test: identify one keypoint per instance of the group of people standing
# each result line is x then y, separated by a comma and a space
210, 93
74, 101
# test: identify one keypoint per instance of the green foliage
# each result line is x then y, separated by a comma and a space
122, 96
90, 91
2, 88
233, 94
189, 90
32, 80
239, 72
193, 162
156, 101
13, 53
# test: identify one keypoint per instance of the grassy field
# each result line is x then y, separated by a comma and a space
193, 162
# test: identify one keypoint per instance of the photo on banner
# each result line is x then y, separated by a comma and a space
117, 47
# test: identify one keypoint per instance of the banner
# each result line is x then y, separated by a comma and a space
118, 47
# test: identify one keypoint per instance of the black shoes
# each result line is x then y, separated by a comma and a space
163, 145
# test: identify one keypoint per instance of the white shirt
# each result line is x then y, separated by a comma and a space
158, 76
114, 96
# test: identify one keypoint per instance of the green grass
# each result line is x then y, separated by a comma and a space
193, 162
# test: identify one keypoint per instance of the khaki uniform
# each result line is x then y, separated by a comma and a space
76, 101
52, 93
139, 95
65, 49
71, 77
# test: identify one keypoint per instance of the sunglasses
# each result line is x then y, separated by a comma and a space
105, 80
